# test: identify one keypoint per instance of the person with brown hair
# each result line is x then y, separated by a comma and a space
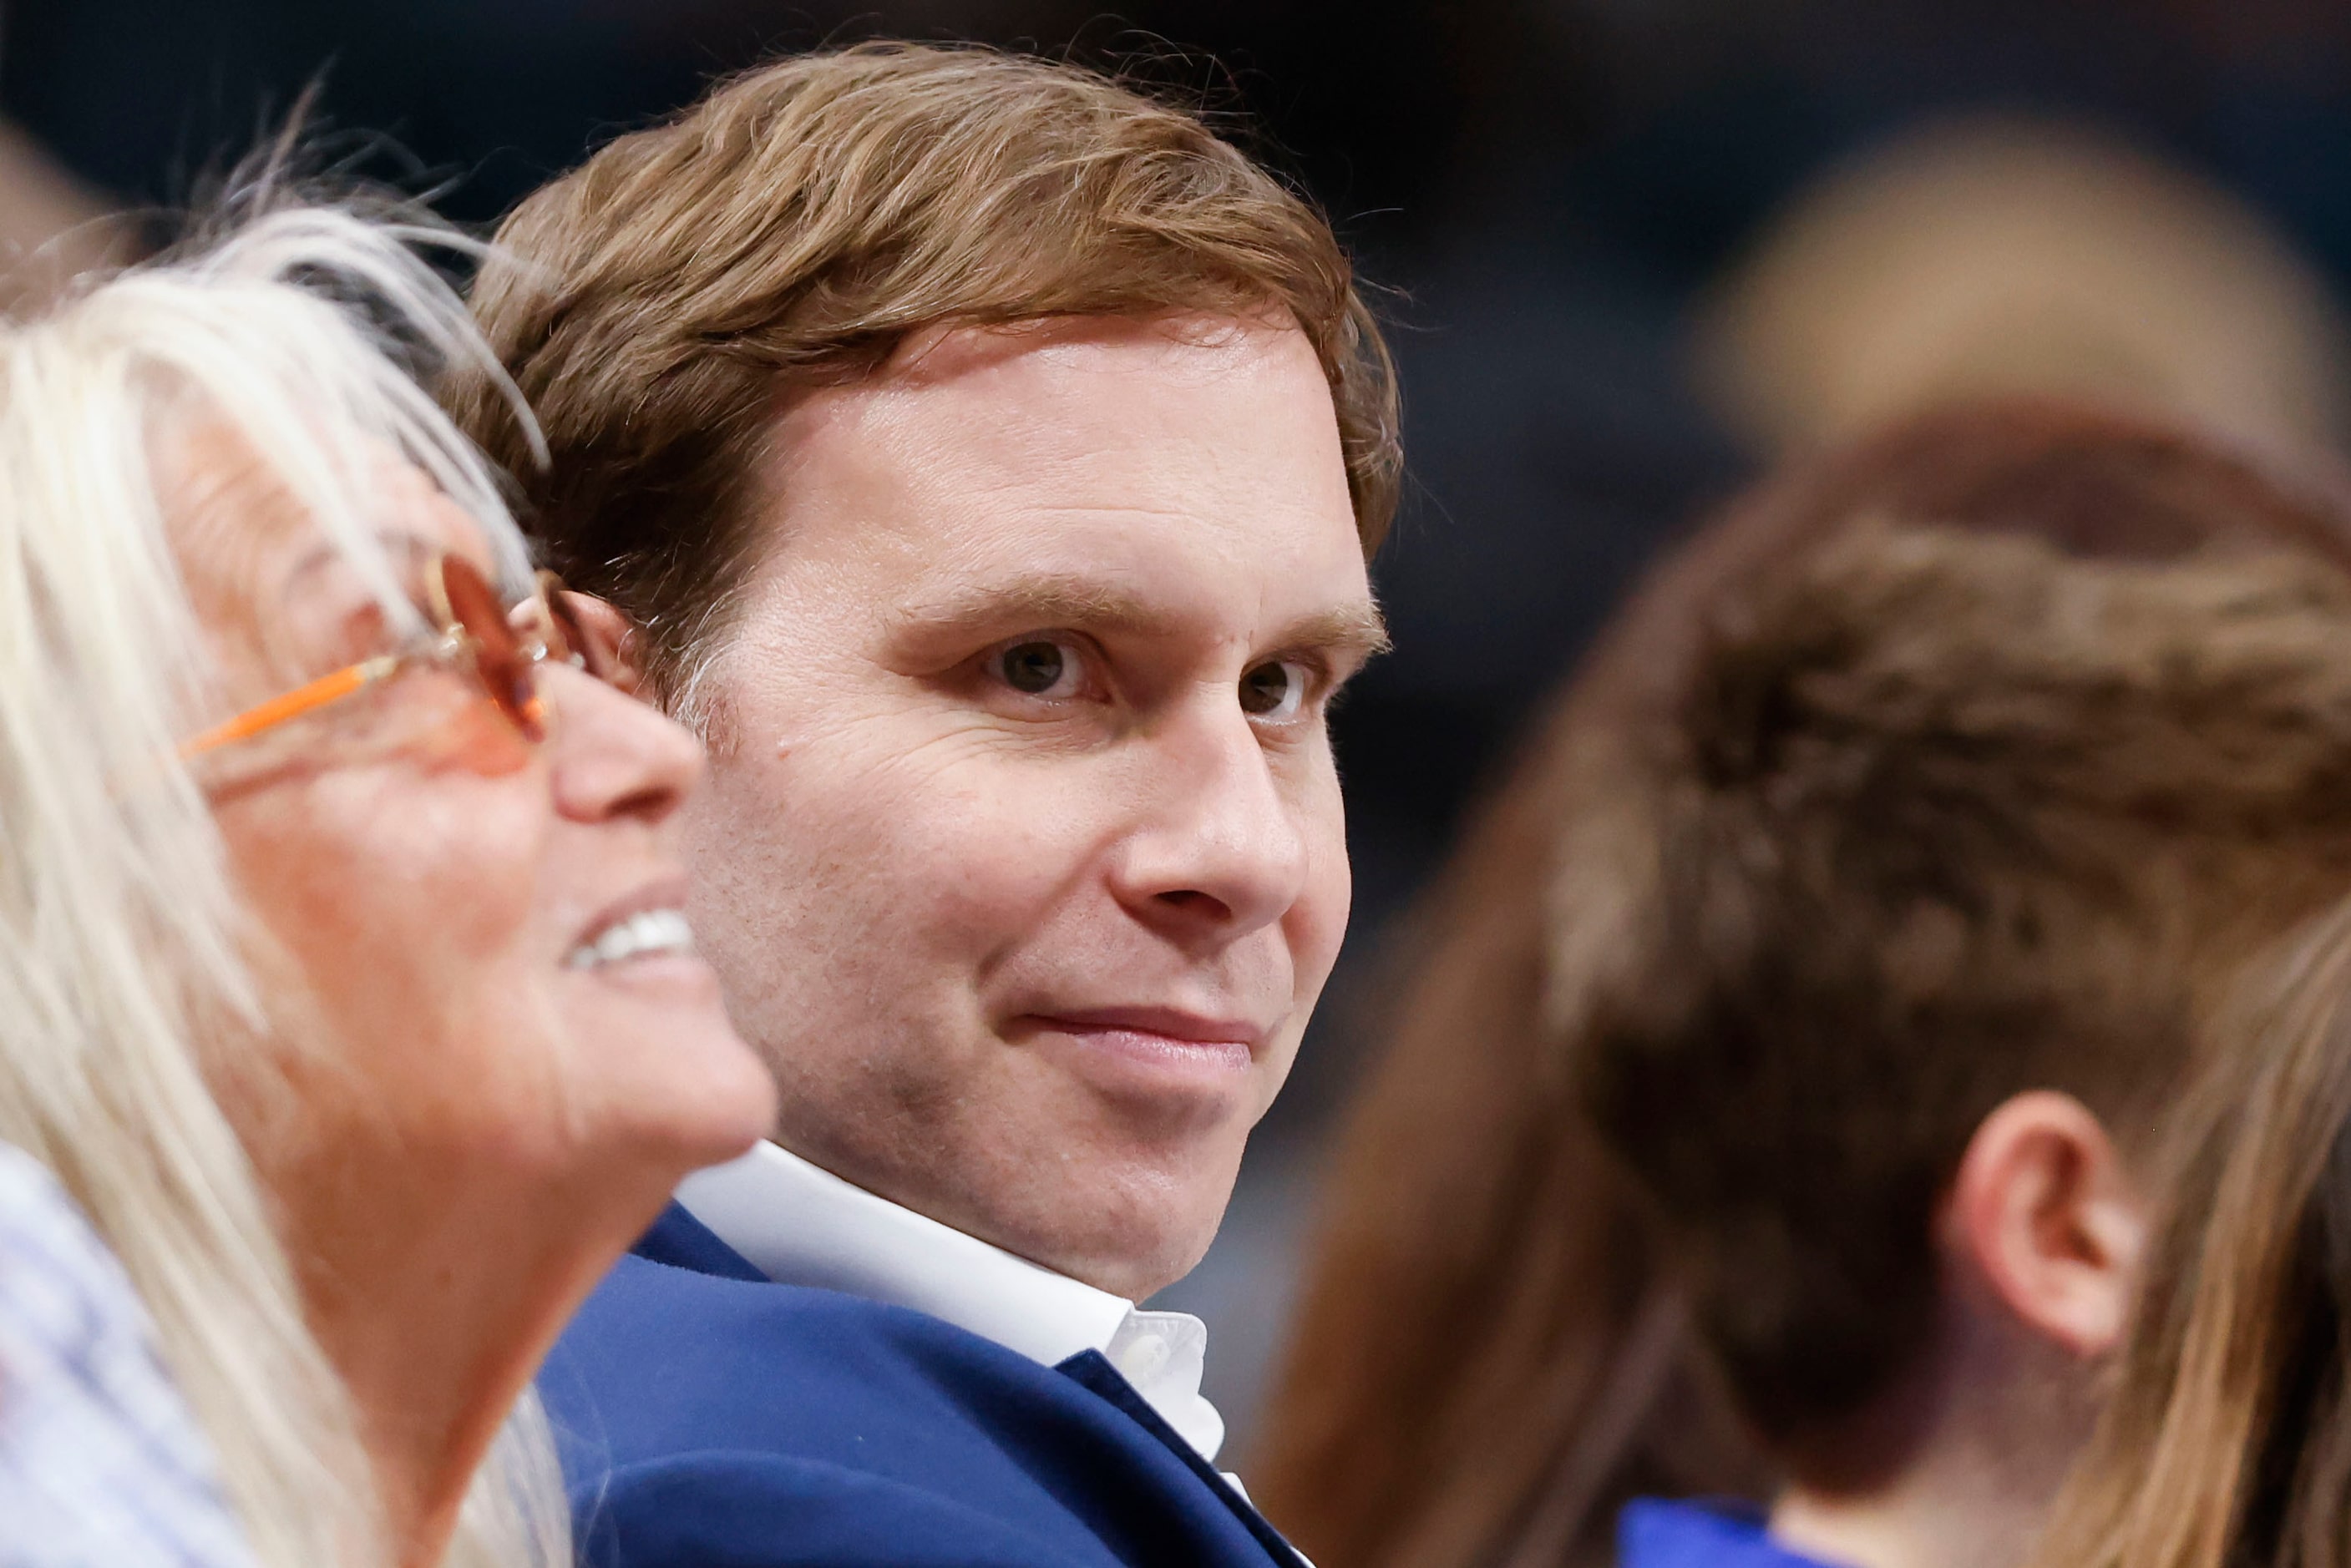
984, 458
2226, 1443
1769, 1114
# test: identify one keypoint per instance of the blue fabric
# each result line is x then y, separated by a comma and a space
101, 1464
709, 1418
1651, 1533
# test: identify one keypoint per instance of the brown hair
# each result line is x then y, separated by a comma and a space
2227, 1443
659, 305
1945, 767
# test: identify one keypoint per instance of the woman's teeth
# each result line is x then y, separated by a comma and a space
651, 931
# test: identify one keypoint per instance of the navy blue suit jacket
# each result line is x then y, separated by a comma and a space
711, 1419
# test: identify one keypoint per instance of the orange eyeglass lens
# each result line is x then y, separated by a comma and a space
498, 656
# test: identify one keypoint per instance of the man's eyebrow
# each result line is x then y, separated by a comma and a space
1356, 630
1351, 630
1078, 604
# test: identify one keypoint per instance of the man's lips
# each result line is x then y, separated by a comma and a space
1191, 1028
1166, 1031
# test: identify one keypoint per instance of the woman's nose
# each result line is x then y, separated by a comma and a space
611, 756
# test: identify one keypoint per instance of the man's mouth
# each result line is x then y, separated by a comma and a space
1169, 1034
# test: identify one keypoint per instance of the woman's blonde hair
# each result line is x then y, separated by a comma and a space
2228, 1441
302, 333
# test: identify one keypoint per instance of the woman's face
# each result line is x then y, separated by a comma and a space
455, 921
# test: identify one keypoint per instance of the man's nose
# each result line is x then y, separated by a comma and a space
1219, 850
613, 756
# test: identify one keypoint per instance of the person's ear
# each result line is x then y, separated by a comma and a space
617, 634
2050, 1217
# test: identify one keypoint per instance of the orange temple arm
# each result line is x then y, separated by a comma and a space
302, 700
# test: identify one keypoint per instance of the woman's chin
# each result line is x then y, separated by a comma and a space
738, 1110
683, 1088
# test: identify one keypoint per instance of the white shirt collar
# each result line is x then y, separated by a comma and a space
800, 1225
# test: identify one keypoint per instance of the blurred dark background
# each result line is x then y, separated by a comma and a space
1564, 199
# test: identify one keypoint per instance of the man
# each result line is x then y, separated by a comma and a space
1777, 1110
985, 460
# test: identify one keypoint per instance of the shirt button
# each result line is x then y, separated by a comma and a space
1142, 1359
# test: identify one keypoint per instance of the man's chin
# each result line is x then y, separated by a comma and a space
1128, 1218
1138, 1266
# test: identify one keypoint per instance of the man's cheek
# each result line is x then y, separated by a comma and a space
1329, 898
989, 887
1326, 916
1045, 802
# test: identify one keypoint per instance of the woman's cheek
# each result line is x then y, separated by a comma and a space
474, 738
429, 877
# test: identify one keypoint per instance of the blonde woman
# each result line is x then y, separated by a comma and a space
342, 983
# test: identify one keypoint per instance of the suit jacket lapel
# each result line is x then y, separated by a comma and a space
1093, 1370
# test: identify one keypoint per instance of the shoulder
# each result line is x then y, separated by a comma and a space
655, 1332
1652, 1532
710, 1420
666, 1361
99, 1459
739, 1508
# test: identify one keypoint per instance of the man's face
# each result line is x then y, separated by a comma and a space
1023, 860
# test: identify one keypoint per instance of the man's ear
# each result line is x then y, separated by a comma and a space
606, 623
2052, 1221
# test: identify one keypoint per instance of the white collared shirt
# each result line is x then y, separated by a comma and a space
800, 1225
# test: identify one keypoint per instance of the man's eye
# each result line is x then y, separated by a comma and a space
1037, 668
1275, 689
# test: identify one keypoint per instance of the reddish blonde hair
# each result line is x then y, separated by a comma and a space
2227, 1443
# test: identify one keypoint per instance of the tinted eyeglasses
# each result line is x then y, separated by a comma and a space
477, 636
